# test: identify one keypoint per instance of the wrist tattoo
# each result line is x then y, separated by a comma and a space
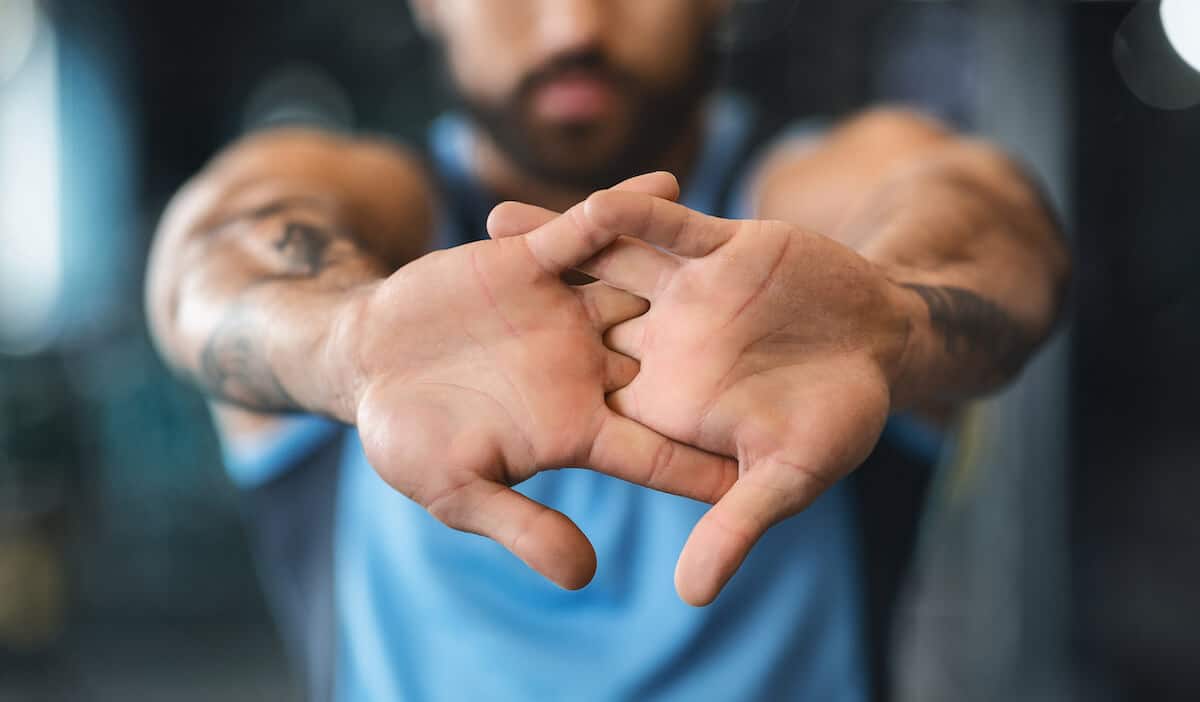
233, 368
973, 325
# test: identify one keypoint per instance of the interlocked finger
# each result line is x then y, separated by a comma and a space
628, 450
514, 218
619, 371
669, 225
633, 265
607, 305
627, 337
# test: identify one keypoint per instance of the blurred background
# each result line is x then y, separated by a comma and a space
1059, 550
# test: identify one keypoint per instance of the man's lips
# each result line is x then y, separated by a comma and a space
573, 98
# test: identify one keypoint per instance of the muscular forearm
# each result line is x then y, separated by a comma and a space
257, 259
967, 236
256, 301
975, 256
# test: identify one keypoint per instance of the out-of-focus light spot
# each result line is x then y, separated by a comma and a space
30, 255
1181, 22
18, 25
1148, 54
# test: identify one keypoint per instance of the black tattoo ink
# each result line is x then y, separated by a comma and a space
232, 365
233, 368
970, 324
304, 246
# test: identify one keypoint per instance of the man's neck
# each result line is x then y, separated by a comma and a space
503, 177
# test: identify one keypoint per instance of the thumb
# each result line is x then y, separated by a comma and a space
766, 494
427, 444
545, 539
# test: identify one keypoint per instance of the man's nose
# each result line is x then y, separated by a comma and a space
570, 26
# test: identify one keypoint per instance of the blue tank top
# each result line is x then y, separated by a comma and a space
422, 612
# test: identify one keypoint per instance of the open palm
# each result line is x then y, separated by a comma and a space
504, 374
764, 342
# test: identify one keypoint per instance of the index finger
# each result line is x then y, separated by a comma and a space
566, 241
628, 450
669, 225
514, 218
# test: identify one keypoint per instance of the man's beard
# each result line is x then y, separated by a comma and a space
568, 155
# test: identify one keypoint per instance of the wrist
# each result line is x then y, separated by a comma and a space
908, 376
343, 365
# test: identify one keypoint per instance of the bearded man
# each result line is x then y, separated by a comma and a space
741, 349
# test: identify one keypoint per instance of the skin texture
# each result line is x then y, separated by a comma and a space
890, 265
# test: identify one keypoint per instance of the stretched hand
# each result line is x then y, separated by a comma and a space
763, 341
504, 374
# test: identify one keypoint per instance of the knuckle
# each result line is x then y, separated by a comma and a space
446, 503
807, 473
591, 304
740, 529
684, 229
589, 235
722, 481
664, 455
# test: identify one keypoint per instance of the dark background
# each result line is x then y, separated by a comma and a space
124, 571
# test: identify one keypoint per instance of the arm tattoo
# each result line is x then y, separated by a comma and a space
303, 247
233, 368
970, 324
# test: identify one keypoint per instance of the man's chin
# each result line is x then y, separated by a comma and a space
584, 155
588, 159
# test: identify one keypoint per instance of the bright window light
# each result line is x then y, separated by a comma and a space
30, 241
18, 22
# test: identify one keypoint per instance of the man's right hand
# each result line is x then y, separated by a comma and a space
476, 367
